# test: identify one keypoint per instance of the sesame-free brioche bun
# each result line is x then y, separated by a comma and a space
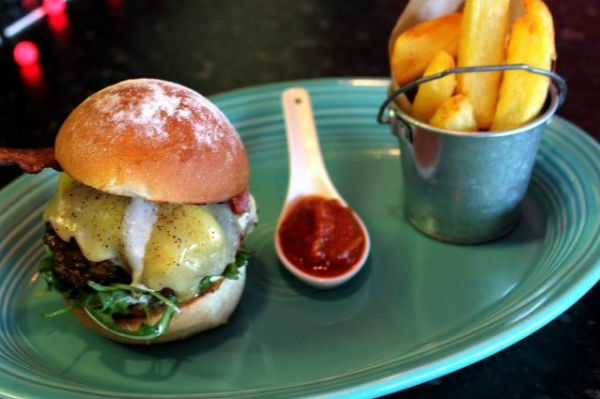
155, 140
207, 311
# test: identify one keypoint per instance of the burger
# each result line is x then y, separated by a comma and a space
144, 233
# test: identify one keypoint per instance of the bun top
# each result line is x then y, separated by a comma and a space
155, 140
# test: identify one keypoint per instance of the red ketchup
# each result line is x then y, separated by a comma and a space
321, 237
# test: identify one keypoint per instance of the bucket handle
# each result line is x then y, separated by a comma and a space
557, 79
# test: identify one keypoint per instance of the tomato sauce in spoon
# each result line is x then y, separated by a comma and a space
321, 236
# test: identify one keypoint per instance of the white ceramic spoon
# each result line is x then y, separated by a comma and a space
308, 176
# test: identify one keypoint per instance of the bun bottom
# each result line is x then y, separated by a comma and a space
199, 314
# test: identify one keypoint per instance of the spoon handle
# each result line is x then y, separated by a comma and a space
308, 174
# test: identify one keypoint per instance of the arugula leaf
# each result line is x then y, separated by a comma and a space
117, 302
231, 271
46, 270
140, 294
206, 284
241, 259
60, 311
145, 332
105, 302
119, 299
53, 282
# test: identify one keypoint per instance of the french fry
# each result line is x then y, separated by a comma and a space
431, 95
483, 36
522, 94
414, 49
456, 113
404, 103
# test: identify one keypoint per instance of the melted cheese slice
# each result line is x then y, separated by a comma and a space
186, 243
162, 245
94, 219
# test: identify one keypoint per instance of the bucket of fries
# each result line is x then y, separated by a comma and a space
472, 92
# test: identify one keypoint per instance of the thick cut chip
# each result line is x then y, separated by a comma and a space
415, 48
456, 113
404, 103
482, 41
431, 95
522, 94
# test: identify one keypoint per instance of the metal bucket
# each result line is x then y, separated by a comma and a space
467, 187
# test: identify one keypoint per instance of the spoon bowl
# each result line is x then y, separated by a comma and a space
309, 177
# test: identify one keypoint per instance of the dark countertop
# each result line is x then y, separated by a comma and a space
214, 46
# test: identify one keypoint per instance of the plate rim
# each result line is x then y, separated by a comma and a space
567, 294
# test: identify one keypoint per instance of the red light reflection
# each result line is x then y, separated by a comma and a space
26, 53
59, 23
32, 76
54, 7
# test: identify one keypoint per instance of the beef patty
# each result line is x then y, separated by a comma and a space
75, 270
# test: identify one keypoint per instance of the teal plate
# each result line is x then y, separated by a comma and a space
419, 309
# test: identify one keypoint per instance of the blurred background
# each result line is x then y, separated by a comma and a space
53, 54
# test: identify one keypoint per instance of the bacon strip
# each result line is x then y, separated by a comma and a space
241, 202
29, 160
